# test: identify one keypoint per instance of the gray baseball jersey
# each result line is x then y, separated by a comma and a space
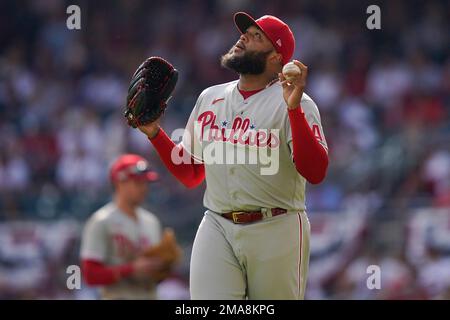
113, 238
246, 147
223, 124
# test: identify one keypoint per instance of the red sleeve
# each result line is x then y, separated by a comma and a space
96, 273
190, 174
310, 157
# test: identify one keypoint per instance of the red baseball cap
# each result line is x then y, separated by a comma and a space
276, 30
132, 166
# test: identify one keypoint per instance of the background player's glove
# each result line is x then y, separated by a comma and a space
167, 250
151, 87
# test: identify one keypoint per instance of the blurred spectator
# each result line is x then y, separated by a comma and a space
434, 275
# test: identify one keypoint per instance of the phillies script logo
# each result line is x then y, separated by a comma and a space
238, 134
236, 142
126, 248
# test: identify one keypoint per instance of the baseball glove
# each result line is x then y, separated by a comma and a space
150, 89
167, 250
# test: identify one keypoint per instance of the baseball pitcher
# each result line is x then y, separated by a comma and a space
256, 141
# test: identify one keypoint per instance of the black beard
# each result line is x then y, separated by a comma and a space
251, 62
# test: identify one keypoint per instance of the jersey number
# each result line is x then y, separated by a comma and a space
316, 131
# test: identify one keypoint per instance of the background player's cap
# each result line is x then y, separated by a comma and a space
132, 166
276, 30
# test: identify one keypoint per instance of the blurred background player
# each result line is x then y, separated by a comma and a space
115, 236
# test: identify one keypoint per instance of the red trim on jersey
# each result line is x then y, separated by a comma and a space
316, 131
300, 253
310, 157
217, 100
190, 174
96, 273
248, 94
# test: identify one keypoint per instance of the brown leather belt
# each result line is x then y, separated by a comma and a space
239, 217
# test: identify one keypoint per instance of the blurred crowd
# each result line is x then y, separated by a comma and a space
383, 95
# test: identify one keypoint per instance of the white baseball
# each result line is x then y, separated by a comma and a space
291, 70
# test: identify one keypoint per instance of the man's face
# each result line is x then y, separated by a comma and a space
134, 190
250, 53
